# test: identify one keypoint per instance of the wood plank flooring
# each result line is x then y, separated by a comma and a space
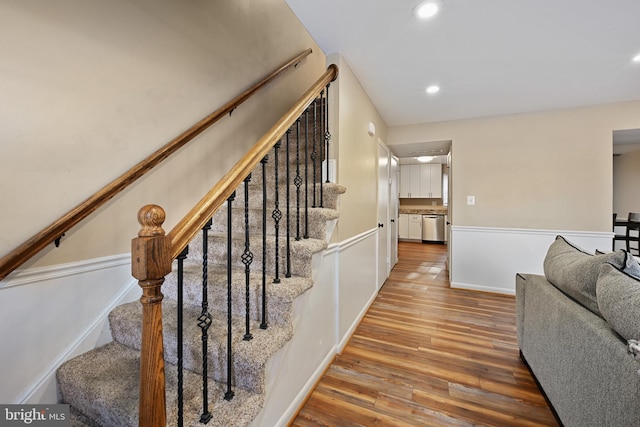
428, 355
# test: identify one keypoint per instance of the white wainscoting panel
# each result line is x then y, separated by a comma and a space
50, 314
357, 282
325, 317
293, 371
488, 259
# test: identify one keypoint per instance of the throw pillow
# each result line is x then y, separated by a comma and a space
631, 266
619, 301
575, 271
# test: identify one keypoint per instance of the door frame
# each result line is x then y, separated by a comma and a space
394, 207
384, 235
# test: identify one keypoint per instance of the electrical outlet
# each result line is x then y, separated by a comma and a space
471, 200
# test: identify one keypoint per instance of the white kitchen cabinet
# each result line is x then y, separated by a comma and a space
421, 181
410, 177
410, 226
403, 226
431, 179
415, 227
410, 181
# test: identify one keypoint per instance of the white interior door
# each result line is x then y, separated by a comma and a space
383, 213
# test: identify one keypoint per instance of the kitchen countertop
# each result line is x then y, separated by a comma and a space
424, 210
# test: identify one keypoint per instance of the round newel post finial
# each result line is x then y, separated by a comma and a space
151, 250
151, 218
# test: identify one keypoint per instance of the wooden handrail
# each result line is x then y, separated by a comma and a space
35, 244
192, 223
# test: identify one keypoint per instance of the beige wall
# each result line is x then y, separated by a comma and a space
91, 88
626, 183
548, 170
357, 152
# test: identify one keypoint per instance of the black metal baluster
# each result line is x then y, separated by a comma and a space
229, 393
181, 258
247, 259
288, 204
324, 156
263, 324
204, 322
297, 180
327, 134
277, 213
314, 154
306, 173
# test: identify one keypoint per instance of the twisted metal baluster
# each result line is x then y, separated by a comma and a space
306, 173
263, 162
247, 258
297, 180
325, 141
277, 214
327, 134
314, 154
229, 393
288, 196
323, 154
204, 322
180, 258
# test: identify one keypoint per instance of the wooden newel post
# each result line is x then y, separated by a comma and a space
150, 263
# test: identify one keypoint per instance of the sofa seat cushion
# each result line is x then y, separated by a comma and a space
575, 271
618, 295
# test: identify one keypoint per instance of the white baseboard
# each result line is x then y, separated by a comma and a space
306, 390
492, 289
488, 258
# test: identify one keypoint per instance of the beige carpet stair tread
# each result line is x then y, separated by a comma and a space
104, 385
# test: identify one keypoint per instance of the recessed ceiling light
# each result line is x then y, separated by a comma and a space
433, 89
427, 9
636, 58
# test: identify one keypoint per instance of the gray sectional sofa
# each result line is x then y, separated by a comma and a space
577, 328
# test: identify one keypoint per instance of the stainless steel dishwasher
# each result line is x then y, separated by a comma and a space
433, 228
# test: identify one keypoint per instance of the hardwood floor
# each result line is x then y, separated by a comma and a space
428, 355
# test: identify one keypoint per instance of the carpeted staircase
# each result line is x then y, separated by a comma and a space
102, 385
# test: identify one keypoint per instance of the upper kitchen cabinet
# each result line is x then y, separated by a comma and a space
421, 181
410, 181
431, 177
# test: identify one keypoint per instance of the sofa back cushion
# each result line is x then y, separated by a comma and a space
618, 295
575, 271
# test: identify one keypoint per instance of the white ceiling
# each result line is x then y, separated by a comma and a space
489, 57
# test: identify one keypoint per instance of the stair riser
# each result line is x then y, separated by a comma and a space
300, 263
316, 225
247, 371
278, 308
296, 167
329, 197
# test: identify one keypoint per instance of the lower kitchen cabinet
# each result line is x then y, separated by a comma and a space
403, 226
410, 226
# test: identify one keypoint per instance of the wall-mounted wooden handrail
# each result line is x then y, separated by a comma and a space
35, 244
192, 223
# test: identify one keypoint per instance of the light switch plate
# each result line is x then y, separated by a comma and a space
471, 200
